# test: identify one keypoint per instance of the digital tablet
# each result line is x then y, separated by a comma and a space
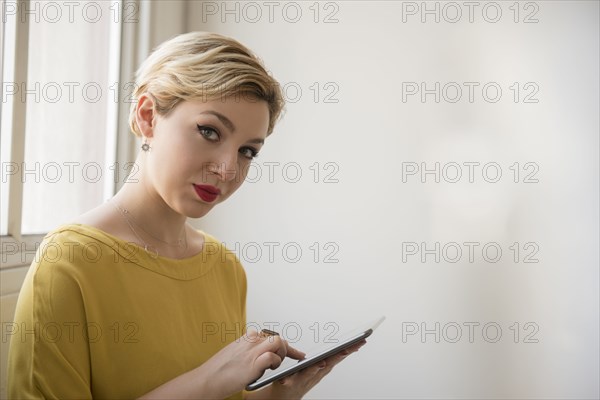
322, 353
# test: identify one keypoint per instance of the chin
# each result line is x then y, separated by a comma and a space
197, 215
198, 212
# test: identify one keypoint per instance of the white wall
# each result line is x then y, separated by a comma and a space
365, 217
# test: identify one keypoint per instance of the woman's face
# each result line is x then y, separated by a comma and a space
201, 151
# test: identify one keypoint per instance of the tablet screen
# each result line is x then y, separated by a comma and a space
290, 366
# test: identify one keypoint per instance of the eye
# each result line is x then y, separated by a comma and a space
249, 152
208, 133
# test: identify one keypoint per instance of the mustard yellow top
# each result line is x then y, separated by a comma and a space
98, 317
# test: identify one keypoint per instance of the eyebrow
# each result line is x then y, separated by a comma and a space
227, 122
258, 141
224, 120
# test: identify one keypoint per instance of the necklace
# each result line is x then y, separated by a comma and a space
151, 250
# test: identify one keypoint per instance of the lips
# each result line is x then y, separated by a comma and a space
207, 193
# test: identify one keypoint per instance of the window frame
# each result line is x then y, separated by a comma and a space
132, 40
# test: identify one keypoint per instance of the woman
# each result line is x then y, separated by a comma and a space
129, 301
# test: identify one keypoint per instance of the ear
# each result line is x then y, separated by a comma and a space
144, 115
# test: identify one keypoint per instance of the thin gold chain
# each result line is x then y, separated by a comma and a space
179, 241
151, 250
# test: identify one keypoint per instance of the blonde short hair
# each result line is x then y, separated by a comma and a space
207, 66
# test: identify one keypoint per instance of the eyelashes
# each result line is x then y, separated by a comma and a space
213, 136
208, 133
249, 152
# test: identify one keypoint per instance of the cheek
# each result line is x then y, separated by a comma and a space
248, 169
242, 172
170, 159
172, 162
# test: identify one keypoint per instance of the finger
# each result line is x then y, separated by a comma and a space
313, 370
294, 353
336, 359
274, 344
268, 360
357, 346
352, 349
304, 375
306, 378
339, 357
317, 372
349, 350
252, 336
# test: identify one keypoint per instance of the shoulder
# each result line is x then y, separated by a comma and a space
214, 246
64, 242
76, 251
67, 237
54, 277
219, 252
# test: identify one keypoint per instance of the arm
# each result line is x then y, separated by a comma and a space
48, 356
191, 385
228, 371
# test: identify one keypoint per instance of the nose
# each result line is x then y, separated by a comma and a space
226, 167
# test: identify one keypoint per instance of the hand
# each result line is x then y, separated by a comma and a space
295, 386
228, 371
245, 360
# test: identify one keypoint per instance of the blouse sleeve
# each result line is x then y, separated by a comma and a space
49, 351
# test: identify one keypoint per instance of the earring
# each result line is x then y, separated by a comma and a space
146, 146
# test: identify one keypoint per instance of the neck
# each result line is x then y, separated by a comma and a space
150, 211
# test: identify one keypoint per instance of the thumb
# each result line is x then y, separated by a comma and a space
268, 360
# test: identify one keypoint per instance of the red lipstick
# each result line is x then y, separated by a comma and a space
207, 192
